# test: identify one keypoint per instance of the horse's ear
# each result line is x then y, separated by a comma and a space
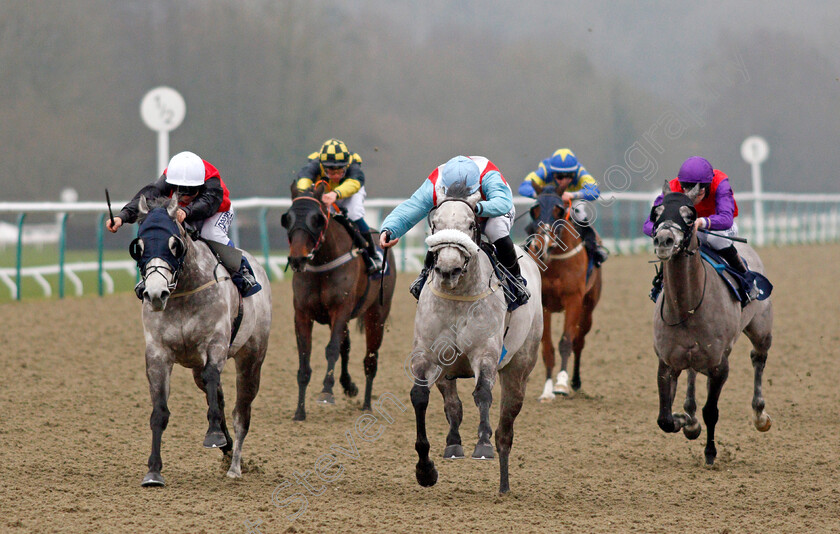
294, 189
172, 206
688, 215
693, 193
666, 188
557, 211
318, 190
143, 206
536, 210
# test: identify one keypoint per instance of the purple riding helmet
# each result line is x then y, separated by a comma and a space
696, 170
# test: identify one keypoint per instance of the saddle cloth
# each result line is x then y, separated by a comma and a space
738, 283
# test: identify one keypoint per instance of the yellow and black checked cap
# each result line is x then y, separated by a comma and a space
334, 153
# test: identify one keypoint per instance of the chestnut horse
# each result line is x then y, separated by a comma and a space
331, 286
558, 249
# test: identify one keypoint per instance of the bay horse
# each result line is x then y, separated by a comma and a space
193, 316
331, 286
558, 249
462, 329
697, 321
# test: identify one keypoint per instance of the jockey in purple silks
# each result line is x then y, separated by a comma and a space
716, 209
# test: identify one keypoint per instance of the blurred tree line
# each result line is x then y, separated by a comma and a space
266, 81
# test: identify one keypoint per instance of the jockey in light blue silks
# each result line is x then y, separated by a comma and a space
495, 211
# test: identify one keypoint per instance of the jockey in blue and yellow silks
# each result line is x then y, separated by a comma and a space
582, 186
564, 172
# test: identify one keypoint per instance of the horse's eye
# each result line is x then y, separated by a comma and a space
135, 249
176, 246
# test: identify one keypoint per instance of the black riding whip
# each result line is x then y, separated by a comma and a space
384, 267
731, 238
108, 200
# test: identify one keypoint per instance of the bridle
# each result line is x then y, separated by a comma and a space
476, 229
137, 248
318, 238
684, 247
547, 234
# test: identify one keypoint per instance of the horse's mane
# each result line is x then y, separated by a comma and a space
458, 190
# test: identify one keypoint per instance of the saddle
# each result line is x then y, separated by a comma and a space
738, 283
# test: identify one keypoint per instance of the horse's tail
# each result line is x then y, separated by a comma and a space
360, 323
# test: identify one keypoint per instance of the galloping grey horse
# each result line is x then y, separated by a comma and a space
462, 329
190, 309
697, 321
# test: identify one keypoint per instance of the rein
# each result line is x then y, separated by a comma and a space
702, 295
199, 288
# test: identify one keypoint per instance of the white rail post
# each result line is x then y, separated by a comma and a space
754, 150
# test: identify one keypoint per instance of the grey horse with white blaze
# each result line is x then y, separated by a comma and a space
190, 311
697, 321
462, 329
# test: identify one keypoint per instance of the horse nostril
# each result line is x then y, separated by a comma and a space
456, 271
437, 270
669, 241
656, 241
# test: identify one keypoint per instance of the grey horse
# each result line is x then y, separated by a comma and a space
189, 311
462, 329
697, 321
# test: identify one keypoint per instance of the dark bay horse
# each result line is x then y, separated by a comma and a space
331, 286
697, 321
559, 251
191, 310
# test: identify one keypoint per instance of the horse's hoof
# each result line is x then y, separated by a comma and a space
300, 415
326, 398
215, 440
453, 452
763, 422
426, 477
548, 391
692, 431
483, 452
351, 390
153, 479
234, 474
561, 387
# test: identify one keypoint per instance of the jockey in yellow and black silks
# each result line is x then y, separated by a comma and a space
342, 170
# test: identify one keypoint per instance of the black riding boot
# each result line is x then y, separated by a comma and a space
244, 279
730, 254
417, 286
596, 251
515, 283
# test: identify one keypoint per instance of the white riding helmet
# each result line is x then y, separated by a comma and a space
185, 169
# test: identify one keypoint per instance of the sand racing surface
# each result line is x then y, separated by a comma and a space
74, 425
